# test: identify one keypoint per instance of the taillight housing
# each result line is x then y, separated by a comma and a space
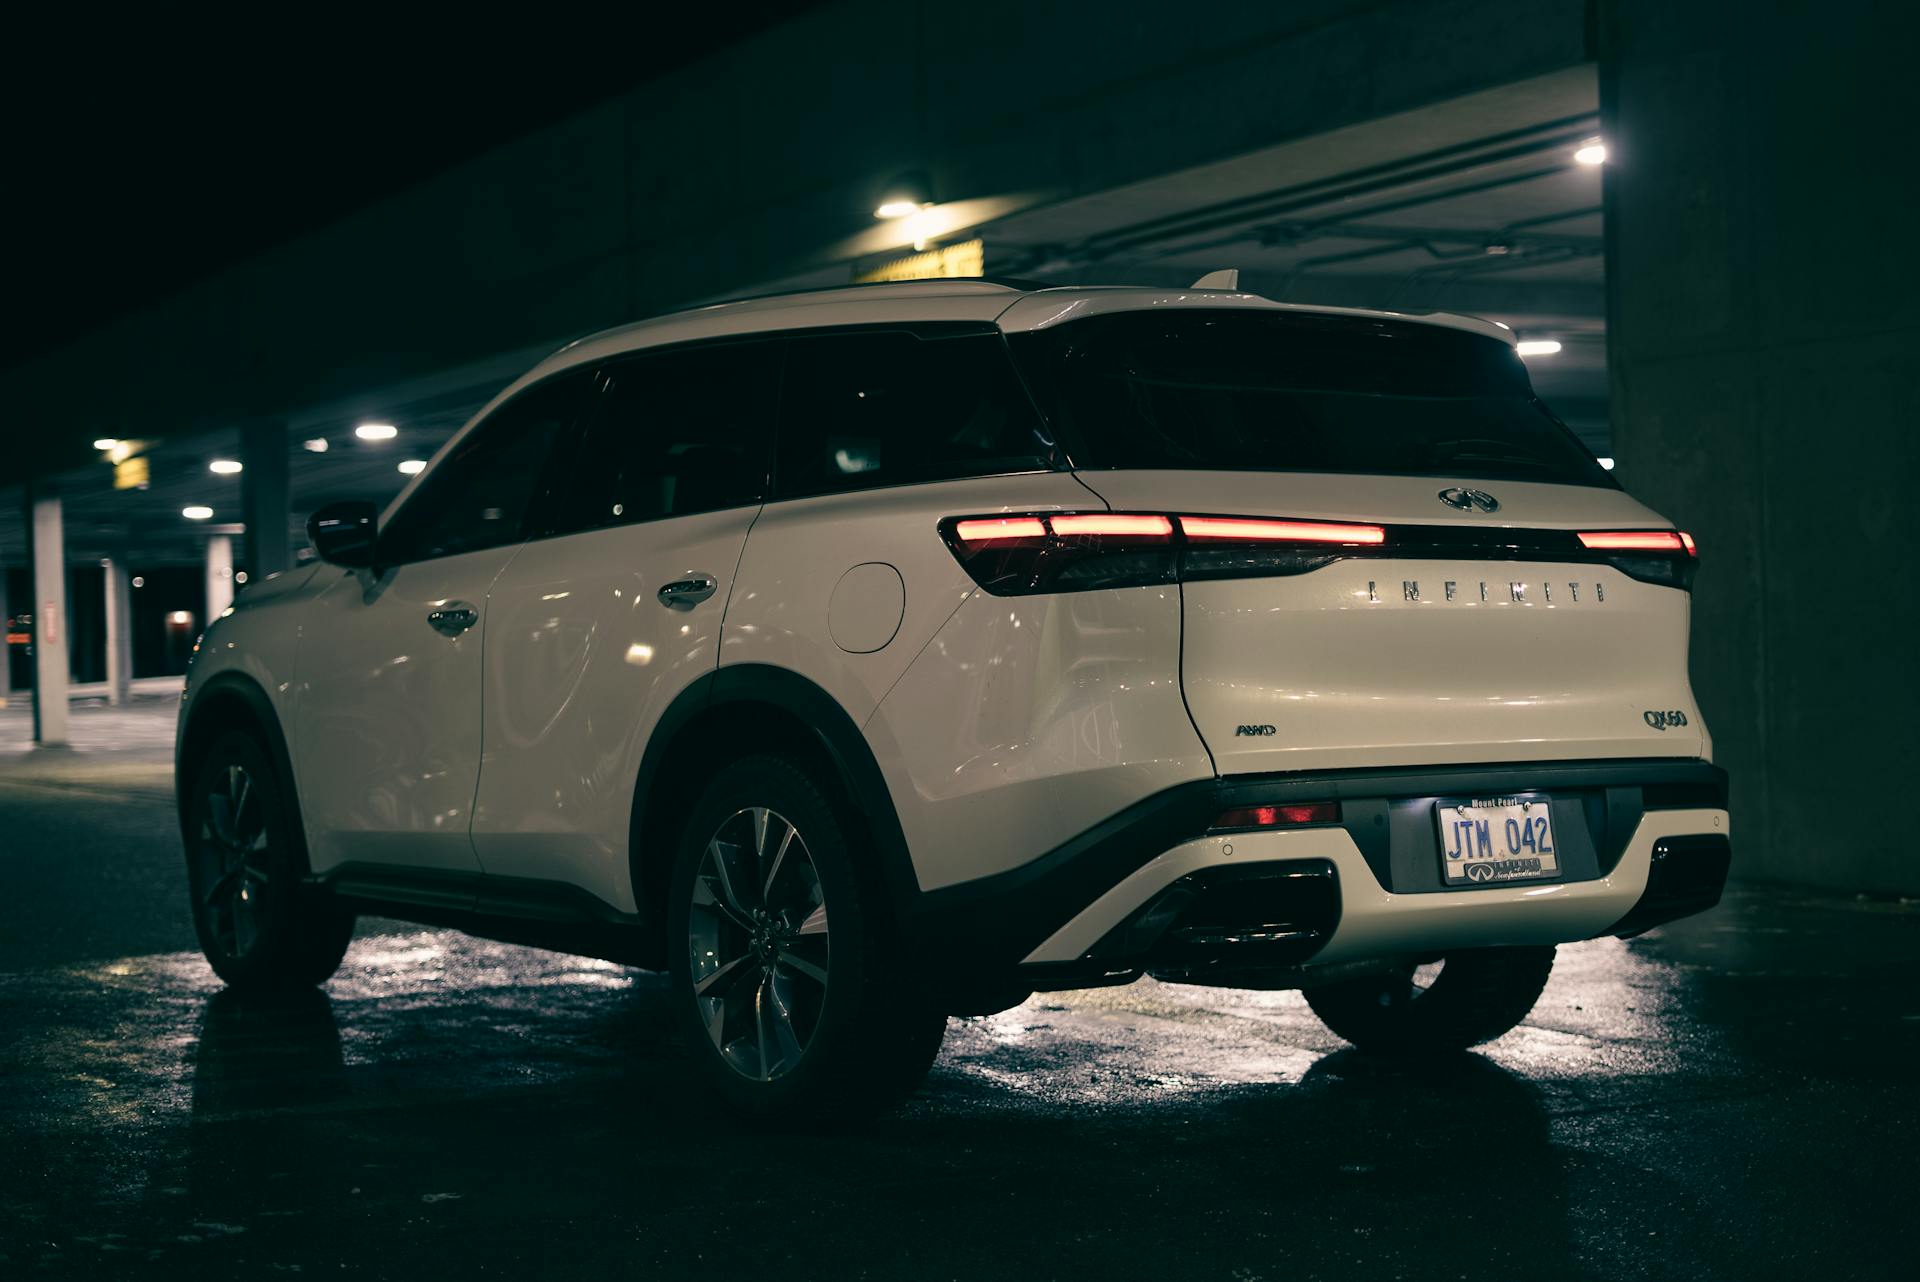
1081, 551
1018, 554
1063, 551
1667, 557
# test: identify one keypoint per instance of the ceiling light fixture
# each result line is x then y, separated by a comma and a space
1606, 462
225, 466
413, 466
106, 442
1537, 346
196, 512
905, 195
1591, 152
317, 445
376, 431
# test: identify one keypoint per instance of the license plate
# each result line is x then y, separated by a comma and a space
1493, 839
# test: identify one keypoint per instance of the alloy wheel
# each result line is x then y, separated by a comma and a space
234, 855
757, 940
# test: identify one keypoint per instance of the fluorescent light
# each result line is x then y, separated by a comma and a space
1591, 152
225, 466
413, 465
1607, 463
106, 442
900, 208
318, 445
1537, 346
376, 431
196, 512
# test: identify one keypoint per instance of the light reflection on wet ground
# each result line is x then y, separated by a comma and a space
1733, 1097
447, 1100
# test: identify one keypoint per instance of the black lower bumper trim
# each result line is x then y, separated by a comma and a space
1272, 913
1686, 875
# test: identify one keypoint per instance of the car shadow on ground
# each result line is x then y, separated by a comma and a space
300, 1133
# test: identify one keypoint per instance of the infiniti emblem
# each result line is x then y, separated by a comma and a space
1464, 499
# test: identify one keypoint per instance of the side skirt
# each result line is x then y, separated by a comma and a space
513, 910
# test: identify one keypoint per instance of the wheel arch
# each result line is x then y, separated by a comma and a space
739, 711
233, 701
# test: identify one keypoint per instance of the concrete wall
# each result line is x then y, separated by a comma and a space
1762, 273
745, 168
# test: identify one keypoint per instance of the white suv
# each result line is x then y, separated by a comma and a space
869, 656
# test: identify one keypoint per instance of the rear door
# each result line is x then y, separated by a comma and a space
616, 609
387, 736
1386, 566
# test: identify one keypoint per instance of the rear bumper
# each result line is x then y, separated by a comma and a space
1644, 841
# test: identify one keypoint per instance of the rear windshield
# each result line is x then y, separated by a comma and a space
1285, 392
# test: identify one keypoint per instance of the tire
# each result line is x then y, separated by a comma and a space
261, 928
789, 1027
1476, 997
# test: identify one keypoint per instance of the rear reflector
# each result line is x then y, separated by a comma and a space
1636, 541
1250, 530
1297, 815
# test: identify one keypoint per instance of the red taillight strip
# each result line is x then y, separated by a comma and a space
1687, 541
1244, 529
1636, 541
1248, 529
1112, 523
1009, 527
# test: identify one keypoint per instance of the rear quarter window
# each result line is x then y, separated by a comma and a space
863, 410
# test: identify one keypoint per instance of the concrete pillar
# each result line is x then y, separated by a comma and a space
48, 535
1761, 336
264, 502
219, 577
119, 593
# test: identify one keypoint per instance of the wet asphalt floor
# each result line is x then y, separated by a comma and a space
1732, 1097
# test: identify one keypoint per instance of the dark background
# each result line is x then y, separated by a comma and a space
150, 146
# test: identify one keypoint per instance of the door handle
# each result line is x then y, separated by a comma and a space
451, 618
688, 592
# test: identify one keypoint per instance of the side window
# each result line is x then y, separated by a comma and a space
888, 408
677, 432
478, 496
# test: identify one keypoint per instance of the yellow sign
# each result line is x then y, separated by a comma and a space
131, 474
968, 258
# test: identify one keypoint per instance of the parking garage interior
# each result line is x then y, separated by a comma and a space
1644, 194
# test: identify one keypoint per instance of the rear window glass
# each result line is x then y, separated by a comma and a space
1284, 392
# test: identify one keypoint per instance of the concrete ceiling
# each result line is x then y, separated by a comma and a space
1475, 205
